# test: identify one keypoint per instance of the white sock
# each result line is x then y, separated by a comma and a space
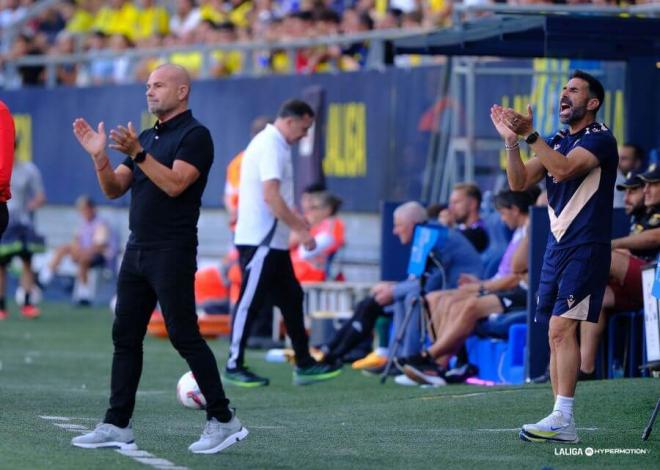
565, 405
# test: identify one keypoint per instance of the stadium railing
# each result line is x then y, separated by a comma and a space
377, 41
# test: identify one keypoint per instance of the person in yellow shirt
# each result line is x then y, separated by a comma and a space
120, 17
153, 19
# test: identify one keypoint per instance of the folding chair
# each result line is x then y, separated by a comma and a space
422, 259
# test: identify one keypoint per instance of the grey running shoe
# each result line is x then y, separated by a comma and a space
218, 436
107, 435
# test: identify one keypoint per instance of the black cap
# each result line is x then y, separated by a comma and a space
652, 175
632, 181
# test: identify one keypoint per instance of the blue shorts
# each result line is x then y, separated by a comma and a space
573, 282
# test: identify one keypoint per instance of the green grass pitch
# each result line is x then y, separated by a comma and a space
58, 366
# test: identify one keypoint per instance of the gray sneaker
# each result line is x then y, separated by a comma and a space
218, 436
107, 435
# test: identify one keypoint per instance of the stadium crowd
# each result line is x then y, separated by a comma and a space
74, 26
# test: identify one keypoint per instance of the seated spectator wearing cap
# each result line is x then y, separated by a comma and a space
631, 158
93, 245
629, 254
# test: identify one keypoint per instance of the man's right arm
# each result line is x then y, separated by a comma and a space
281, 211
113, 183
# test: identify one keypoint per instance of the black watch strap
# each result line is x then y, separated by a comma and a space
531, 138
140, 156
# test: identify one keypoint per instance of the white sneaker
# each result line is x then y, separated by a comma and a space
401, 379
107, 435
218, 436
553, 427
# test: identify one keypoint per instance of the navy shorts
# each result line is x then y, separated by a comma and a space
573, 282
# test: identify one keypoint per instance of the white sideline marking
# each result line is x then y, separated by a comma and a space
71, 427
518, 429
141, 456
134, 453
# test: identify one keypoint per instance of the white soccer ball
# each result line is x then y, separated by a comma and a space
188, 393
35, 296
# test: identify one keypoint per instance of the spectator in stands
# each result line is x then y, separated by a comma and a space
118, 17
224, 62
328, 231
100, 69
464, 204
354, 56
153, 20
21, 239
24, 45
93, 246
67, 73
455, 255
631, 157
456, 313
186, 18
629, 254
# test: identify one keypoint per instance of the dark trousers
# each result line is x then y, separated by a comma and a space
268, 276
355, 330
166, 276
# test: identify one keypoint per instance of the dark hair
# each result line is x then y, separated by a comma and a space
366, 20
638, 152
596, 89
329, 200
520, 199
295, 108
85, 200
316, 187
471, 190
433, 211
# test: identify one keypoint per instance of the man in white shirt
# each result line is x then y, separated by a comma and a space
265, 220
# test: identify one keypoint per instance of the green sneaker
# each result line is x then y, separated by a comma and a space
243, 377
317, 372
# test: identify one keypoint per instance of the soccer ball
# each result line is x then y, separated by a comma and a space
188, 393
35, 296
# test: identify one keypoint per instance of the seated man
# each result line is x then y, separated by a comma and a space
629, 254
320, 210
92, 246
456, 313
455, 255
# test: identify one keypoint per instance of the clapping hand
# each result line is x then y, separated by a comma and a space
92, 141
125, 140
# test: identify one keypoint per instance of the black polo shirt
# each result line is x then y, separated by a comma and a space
157, 220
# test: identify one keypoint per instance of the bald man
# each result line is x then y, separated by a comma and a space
166, 169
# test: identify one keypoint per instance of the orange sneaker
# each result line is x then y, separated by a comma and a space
30, 311
3, 314
370, 361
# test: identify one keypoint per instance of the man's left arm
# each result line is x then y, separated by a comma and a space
173, 181
577, 162
646, 240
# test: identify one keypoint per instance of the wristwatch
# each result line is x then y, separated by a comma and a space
140, 156
531, 138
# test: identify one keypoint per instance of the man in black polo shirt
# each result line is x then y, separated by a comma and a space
166, 170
